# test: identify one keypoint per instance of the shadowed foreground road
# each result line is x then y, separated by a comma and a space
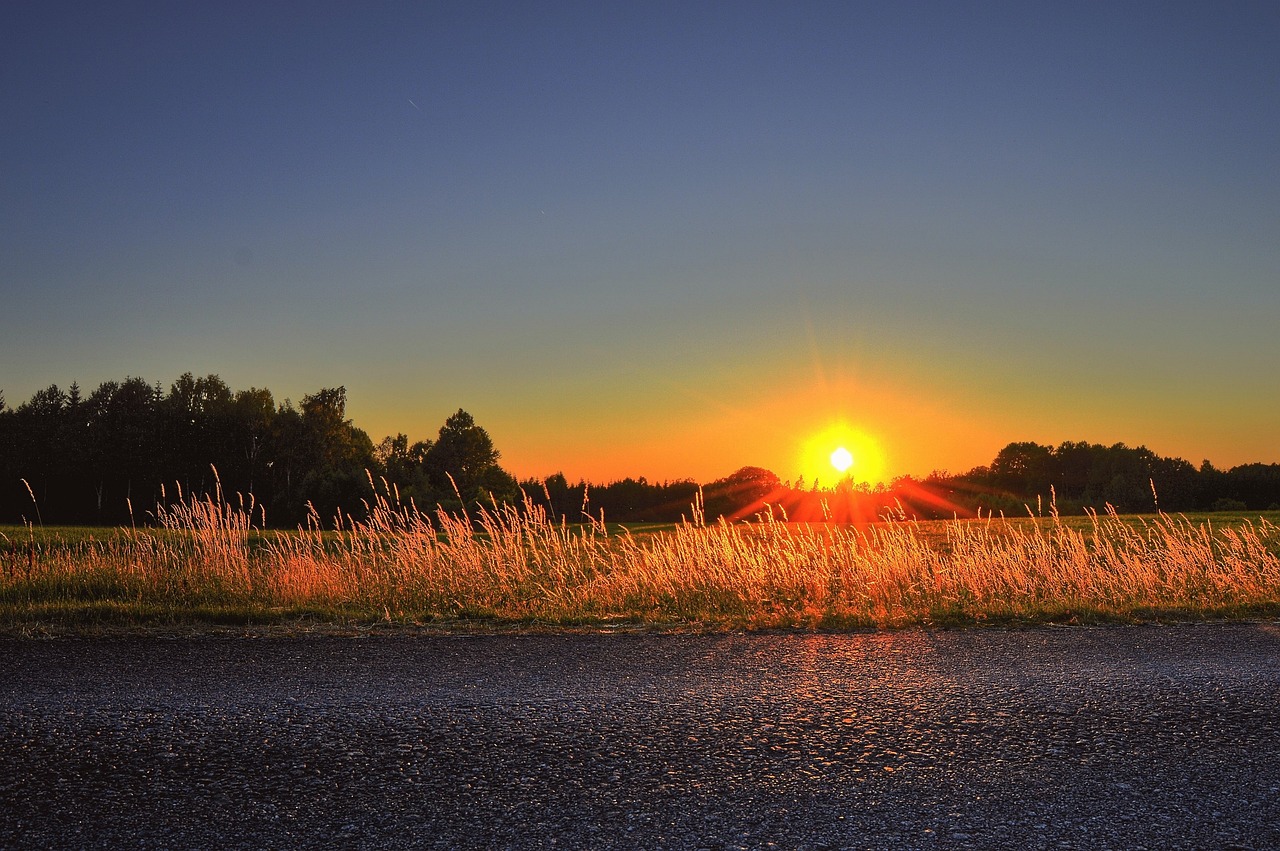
1126, 737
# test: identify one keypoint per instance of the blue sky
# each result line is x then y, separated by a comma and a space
661, 239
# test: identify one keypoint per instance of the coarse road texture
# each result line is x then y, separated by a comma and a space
1136, 737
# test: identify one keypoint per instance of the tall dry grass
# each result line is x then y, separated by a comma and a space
204, 559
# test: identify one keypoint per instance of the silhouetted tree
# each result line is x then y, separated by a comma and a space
197, 425
463, 457
743, 492
36, 425
124, 457
404, 465
337, 456
252, 413
562, 500
1256, 485
1025, 468
1213, 484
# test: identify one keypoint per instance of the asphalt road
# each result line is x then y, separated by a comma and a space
1151, 737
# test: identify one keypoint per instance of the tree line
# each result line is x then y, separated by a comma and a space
112, 456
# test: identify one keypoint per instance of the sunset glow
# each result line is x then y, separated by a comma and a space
841, 451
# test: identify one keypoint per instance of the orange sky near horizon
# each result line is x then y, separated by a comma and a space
790, 423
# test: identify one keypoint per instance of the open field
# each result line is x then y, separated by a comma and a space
204, 564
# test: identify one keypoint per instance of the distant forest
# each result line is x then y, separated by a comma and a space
113, 456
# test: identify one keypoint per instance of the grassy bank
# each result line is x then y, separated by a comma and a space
205, 565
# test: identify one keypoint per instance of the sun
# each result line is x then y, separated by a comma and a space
841, 452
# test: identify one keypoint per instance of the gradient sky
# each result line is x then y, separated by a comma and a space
661, 240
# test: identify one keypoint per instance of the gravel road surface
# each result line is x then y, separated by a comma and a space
1142, 737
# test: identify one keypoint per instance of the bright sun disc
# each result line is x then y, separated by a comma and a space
858, 457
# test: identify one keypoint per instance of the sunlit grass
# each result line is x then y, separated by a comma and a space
204, 562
